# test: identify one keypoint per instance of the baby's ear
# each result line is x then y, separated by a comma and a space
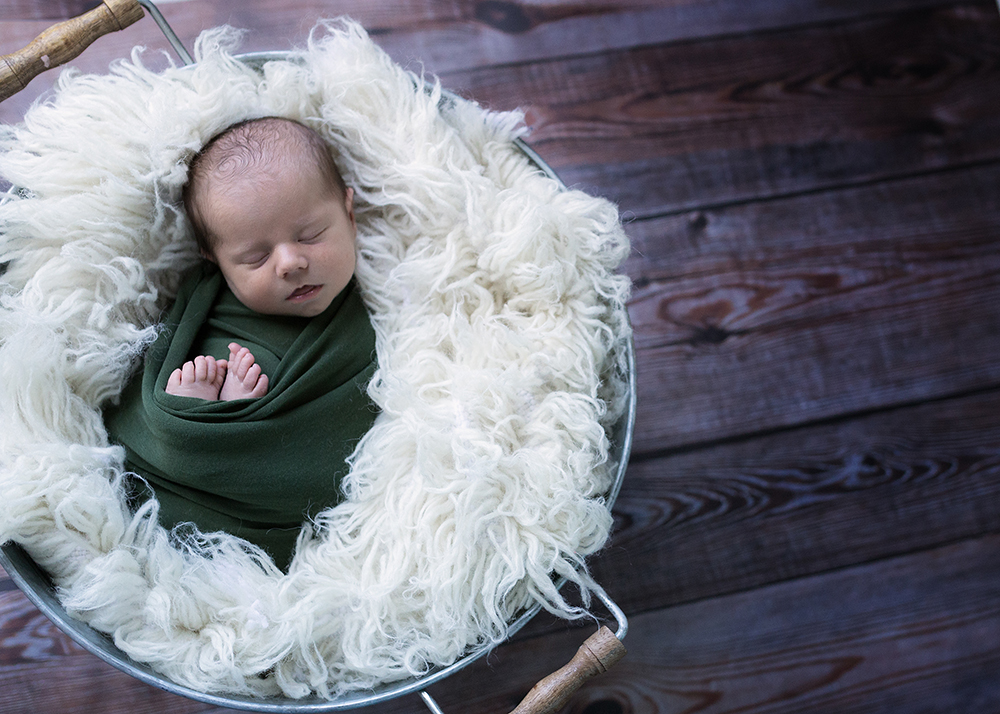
208, 256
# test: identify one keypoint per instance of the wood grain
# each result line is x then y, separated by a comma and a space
772, 314
445, 36
448, 35
63, 42
738, 516
457, 36
918, 633
673, 127
595, 656
28, 636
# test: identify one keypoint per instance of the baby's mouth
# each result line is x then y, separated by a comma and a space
306, 291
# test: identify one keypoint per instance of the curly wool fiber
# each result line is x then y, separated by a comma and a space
498, 322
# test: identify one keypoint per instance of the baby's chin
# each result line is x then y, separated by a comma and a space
311, 309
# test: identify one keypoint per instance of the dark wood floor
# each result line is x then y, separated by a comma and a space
811, 518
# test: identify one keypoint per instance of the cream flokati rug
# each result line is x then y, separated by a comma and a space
496, 312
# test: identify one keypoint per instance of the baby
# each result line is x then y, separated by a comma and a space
271, 210
271, 337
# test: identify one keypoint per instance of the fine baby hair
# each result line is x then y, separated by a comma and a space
247, 146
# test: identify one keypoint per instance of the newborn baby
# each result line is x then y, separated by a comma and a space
254, 394
282, 234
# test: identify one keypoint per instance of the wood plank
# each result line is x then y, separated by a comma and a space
916, 633
84, 685
454, 35
445, 36
741, 515
778, 313
27, 635
497, 32
669, 128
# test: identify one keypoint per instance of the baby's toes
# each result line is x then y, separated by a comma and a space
211, 369
248, 366
260, 388
251, 376
195, 378
201, 369
243, 377
187, 373
240, 359
243, 362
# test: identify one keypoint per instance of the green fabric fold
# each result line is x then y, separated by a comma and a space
256, 468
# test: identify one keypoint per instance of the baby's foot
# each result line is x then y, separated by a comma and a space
201, 378
243, 376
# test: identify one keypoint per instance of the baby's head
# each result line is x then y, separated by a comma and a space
270, 208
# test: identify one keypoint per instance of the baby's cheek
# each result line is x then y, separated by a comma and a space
348, 257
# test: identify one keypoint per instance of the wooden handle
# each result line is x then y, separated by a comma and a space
598, 654
61, 43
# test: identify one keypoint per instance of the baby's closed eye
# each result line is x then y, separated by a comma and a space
255, 259
313, 237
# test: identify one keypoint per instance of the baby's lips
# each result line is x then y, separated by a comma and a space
304, 290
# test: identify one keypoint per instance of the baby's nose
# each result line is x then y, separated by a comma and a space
290, 260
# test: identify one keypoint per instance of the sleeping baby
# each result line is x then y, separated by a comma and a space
253, 395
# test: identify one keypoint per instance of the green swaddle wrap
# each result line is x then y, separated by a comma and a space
256, 468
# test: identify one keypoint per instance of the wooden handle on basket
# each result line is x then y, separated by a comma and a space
61, 43
596, 655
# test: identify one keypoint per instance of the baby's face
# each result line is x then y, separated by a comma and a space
285, 240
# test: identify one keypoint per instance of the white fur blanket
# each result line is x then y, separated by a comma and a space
499, 327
